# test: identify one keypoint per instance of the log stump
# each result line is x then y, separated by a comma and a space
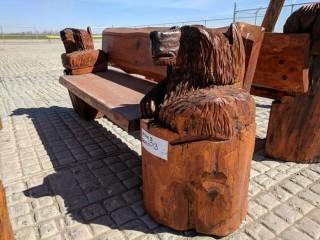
5, 226
294, 124
201, 182
84, 110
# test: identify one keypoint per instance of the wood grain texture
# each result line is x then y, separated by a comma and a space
115, 94
283, 63
205, 59
5, 226
130, 50
203, 185
294, 125
272, 15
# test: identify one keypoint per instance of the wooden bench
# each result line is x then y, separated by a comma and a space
116, 94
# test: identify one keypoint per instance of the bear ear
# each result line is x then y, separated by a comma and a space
231, 33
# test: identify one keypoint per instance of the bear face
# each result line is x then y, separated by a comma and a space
202, 61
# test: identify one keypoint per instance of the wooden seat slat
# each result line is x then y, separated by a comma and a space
115, 94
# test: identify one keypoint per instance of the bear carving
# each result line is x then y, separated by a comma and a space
200, 95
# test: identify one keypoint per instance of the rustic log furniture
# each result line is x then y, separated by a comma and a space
117, 95
288, 71
198, 131
80, 56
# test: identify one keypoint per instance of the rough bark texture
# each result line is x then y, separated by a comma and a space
5, 226
205, 59
272, 14
294, 126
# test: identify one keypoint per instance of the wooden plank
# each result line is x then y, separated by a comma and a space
130, 50
272, 14
252, 38
5, 226
283, 63
115, 94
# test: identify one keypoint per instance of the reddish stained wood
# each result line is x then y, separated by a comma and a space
272, 14
203, 185
115, 94
283, 63
5, 226
130, 50
1, 126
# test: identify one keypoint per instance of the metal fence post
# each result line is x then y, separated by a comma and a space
234, 11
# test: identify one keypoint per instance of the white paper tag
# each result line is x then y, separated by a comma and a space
154, 145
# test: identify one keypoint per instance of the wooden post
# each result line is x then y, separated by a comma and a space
1, 126
272, 14
5, 226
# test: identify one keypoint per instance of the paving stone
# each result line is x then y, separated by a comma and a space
149, 222
79, 232
311, 197
300, 205
309, 227
258, 231
123, 215
102, 225
22, 221
315, 215
294, 234
255, 210
26, 234
268, 201
291, 187
138, 208
132, 182
115, 189
93, 211
274, 223
47, 229
113, 235
114, 203
47, 213
287, 213
132, 196
19, 209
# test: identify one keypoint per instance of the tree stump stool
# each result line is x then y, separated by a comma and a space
201, 184
5, 226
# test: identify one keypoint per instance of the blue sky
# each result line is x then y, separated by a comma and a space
23, 15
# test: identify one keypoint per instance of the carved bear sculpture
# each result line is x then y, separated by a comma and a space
203, 62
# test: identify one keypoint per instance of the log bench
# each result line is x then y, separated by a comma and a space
117, 92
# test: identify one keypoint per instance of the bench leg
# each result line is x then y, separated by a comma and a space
83, 109
5, 226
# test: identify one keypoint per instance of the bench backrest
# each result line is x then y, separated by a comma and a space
130, 50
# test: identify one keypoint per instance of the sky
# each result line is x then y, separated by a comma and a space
40, 15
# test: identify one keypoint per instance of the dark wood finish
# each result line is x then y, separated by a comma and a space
130, 50
116, 95
283, 64
5, 226
272, 14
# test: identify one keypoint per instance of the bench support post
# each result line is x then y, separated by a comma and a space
83, 109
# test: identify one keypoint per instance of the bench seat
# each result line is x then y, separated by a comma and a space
114, 94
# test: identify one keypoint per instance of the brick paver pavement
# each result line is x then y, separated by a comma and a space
66, 178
